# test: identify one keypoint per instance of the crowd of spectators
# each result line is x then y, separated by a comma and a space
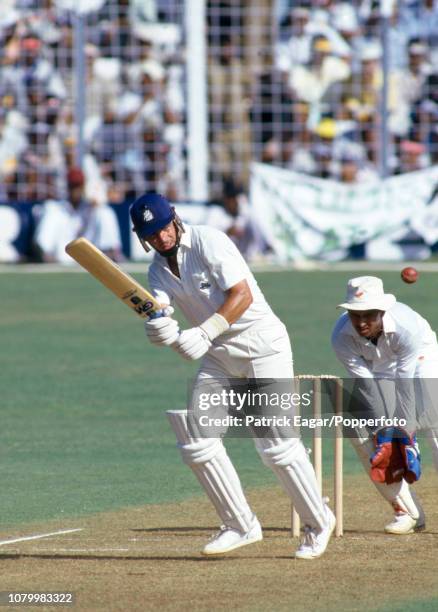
295, 84
317, 106
134, 109
311, 100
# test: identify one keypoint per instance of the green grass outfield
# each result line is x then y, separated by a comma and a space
83, 393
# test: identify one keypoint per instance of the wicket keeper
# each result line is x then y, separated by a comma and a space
382, 339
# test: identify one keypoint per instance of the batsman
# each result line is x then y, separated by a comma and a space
235, 334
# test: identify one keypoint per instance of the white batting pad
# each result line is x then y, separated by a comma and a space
210, 463
290, 463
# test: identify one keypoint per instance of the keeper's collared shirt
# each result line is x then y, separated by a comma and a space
209, 264
407, 340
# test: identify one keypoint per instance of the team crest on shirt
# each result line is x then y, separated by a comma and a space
147, 215
204, 285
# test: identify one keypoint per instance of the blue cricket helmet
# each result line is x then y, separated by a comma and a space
150, 213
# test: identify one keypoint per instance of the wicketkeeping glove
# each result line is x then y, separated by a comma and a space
411, 455
162, 330
397, 456
387, 462
194, 343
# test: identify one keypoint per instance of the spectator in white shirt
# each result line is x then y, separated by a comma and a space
61, 222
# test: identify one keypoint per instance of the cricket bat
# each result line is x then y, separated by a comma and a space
109, 274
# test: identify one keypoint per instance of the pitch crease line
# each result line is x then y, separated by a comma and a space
37, 537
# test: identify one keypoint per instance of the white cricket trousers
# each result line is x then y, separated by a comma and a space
263, 351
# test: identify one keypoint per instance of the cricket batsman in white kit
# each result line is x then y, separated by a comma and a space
236, 335
383, 339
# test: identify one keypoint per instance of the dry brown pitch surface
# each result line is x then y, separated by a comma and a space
148, 559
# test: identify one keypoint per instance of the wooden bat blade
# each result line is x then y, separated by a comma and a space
109, 274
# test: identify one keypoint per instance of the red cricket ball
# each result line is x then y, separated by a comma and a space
409, 275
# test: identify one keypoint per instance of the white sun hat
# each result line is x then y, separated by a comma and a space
366, 293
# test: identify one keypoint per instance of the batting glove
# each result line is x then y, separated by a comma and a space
194, 343
162, 330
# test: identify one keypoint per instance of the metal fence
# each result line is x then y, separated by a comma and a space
334, 89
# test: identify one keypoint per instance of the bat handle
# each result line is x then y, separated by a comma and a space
166, 311
156, 314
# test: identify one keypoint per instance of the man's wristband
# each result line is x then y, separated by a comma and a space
215, 326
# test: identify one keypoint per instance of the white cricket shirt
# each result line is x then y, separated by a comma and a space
406, 343
209, 264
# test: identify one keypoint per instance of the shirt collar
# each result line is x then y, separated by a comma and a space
68, 205
186, 237
388, 323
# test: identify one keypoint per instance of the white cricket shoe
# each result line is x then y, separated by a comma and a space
403, 524
229, 539
313, 544
421, 523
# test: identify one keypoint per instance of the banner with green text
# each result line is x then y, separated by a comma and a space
303, 217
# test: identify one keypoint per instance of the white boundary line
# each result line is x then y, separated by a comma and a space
37, 537
82, 550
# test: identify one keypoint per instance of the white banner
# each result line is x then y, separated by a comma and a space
304, 217
82, 7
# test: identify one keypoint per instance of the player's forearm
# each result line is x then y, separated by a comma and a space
194, 343
239, 299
